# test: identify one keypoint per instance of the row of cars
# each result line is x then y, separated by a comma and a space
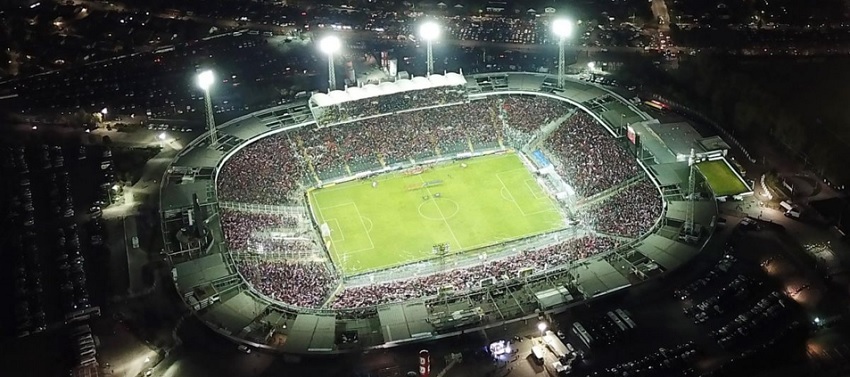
674, 361
84, 344
29, 299
50, 277
606, 330
767, 312
737, 290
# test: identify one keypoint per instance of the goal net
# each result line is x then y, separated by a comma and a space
325, 229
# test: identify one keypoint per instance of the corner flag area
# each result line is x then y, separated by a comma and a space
721, 178
399, 220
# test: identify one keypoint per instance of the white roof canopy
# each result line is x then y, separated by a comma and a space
385, 88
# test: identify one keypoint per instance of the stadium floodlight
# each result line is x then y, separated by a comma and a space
205, 82
563, 29
206, 79
330, 45
429, 31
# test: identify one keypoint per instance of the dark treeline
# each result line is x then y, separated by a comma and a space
801, 105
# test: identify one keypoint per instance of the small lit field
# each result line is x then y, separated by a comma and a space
494, 199
721, 178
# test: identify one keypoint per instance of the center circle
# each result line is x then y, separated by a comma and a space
438, 209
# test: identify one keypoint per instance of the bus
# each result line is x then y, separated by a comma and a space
655, 105
582, 334
82, 315
625, 317
617, 321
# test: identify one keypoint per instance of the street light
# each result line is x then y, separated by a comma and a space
330, 45
429, 31
591, 66
205, 81
542, 327
563, 29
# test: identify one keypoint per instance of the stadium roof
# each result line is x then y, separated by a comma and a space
370, 90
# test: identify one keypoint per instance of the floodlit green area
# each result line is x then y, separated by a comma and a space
493, 199
721, 178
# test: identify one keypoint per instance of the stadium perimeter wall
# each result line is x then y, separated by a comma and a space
236, 122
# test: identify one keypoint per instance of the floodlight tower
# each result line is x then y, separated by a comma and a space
429, 31
563, 29
689, 214
205, 81
330, 45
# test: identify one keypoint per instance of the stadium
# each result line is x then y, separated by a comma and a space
398, 212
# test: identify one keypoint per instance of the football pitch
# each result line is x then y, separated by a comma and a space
721, 178
494, 199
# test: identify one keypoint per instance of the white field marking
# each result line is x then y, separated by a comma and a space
502, 194
364, 225
339, 205
512, 199
459, 245
532, 188
341, 234
331, 248
371, 225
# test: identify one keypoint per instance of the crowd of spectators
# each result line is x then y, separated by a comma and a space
447, 129
527, 114
299, 283
241, 228
400, 137
388, 104
584, 153
630, 212
267, 171
589, 157
467, 279
369, 142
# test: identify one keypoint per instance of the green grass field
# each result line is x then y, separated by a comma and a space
493, 199
721, 178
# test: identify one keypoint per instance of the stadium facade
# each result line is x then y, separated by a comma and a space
206, 274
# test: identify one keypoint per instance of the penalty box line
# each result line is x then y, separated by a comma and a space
362, 224
498, 176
